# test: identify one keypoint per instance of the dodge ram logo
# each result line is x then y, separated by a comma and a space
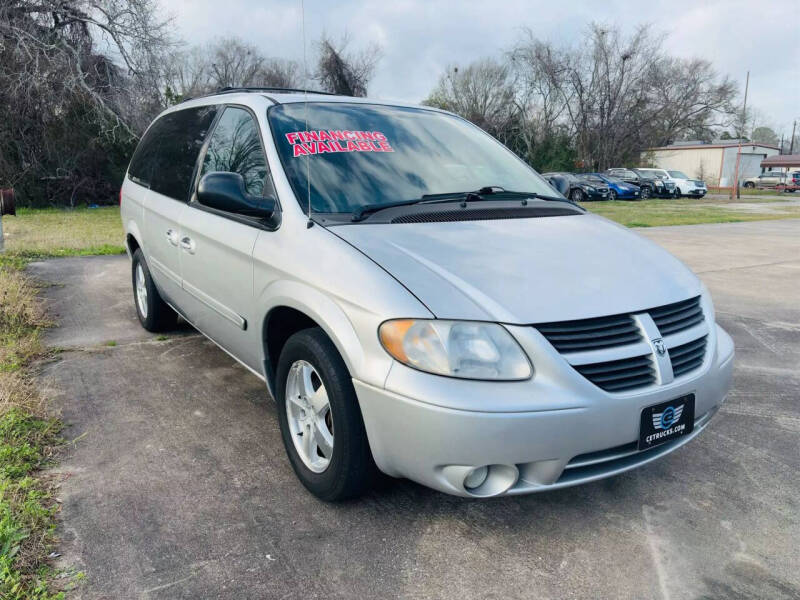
658, 344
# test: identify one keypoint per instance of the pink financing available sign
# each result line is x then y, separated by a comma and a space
305, 143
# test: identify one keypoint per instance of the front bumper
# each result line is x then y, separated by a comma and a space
624, 194
566, 431
696, 191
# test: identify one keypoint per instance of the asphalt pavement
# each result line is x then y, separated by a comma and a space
177, 485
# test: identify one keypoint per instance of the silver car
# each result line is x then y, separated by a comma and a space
417, 299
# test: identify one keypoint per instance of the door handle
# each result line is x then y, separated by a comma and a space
187, 244
172, 237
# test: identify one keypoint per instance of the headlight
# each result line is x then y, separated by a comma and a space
588, 188
466, 349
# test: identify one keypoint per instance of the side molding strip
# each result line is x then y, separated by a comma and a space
220, 309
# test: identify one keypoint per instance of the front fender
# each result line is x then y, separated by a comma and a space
372, 365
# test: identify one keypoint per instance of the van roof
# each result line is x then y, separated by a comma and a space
291, 95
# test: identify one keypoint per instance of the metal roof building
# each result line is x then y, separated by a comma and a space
715, 163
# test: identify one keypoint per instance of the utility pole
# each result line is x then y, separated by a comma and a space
741, 133
791, 142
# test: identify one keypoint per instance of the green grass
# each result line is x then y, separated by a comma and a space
50, 232
688, 211
753, 192
28, 437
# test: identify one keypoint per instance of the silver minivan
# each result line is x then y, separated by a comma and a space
418, 300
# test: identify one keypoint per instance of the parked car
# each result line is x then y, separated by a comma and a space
770, 179
792, 183
581, 188
617, 188
684, 186
648, 184
406, 310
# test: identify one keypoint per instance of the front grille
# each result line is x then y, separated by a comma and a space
687, 357
606, 334
591, 334
676, 317
619, 375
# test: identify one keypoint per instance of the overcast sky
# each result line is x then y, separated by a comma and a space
421, 37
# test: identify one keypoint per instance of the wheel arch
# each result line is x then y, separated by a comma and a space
295, 306
132, 238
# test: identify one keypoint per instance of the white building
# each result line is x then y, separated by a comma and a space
715, 163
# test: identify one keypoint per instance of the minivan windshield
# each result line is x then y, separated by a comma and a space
360, 155
677, 174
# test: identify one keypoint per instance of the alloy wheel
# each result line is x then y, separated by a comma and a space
308, 413
141, 291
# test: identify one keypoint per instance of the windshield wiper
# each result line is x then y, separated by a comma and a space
465, 197
365, 211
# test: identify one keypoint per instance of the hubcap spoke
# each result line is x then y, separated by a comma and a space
323, 438
307, 386
309, 443
319, 401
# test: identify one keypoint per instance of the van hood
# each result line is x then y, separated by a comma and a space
522, 271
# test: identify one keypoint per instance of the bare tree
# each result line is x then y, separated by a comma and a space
280, 72
79, 79
235, 63
483, 93
228, 62
618, 94
343, 72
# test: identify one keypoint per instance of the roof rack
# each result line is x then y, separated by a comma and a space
232, 90
280, 90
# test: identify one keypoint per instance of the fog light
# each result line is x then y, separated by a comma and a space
476, 477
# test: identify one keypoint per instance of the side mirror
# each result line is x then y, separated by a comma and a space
225, 191
559, 183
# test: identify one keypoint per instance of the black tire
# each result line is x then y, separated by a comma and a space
159, 317
612, 194
749, 184
645, 192
576, 195
351, 470
677, 192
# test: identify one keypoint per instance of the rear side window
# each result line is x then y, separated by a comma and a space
167, 154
